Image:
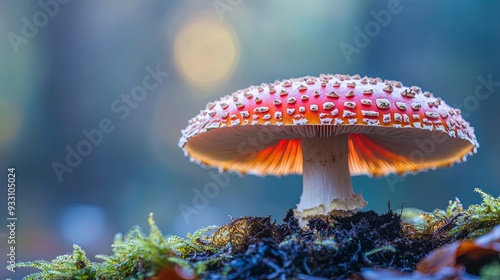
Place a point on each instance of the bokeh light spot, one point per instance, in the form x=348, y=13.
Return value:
x=83, y=224
x=10, y=121
x=206, y=52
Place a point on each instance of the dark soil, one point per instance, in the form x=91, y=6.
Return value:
x=258, y=248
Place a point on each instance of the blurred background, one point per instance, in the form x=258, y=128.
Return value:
x=129, y=74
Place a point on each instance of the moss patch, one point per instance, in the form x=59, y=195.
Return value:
x=259, y=248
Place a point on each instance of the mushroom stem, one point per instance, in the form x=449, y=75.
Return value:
x=327, y=188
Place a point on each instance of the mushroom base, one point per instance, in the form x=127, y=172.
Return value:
x=337, y=207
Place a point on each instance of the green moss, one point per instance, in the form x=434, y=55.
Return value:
x=380, y=249
x=490, y=271
x=135, y=256
x=239, y=244
x=74, y=266
x=480, y=219
x=457, y=223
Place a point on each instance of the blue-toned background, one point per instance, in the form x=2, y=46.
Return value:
x=73, y=66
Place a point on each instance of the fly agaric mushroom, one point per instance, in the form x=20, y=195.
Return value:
x=328, y=128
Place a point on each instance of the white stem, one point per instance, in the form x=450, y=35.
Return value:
x=327, y=185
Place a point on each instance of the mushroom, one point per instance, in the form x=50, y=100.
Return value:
x=328, y=128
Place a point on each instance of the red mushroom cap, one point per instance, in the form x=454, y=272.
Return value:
x=391, y=127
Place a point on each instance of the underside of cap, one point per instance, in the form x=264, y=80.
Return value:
x=276, y=150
